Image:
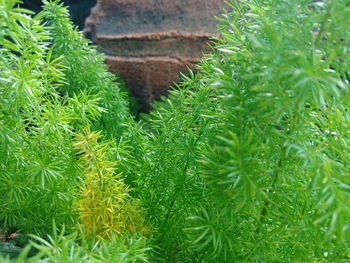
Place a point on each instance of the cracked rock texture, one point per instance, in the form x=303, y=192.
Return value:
x=149, y=42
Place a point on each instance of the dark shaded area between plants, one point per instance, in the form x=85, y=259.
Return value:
x=79, y=10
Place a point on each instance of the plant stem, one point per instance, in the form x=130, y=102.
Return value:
x=323, y=25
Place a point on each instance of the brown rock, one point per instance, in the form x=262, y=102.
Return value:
x=149, y=42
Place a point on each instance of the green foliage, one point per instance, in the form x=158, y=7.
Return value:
x=37, y=172
x=254, y=151
x=76, y=247
x=276, y=171
x=45, y=103
x=168, y=184
x=85, y=70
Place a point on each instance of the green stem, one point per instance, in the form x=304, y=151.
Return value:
x=182, y=182
x=267, y=201
x=323, y=25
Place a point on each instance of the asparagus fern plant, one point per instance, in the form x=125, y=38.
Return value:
x=254, y=152
x=41, y=111
x=105, y=206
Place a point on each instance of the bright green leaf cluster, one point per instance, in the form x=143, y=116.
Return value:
x=41, y=110
x=76, y=248
x=45, y=102
x=85, y=71
x=38, y=173
x=252, y=155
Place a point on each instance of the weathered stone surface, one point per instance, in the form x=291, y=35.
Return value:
x=149, y=42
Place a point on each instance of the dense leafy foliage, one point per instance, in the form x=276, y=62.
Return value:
x=48, y=170
x=105, y=205
x=76, y=247
x=276, y=171
x=254, y=151
x=85, y=71
x=245, y=161
x=38, y=168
